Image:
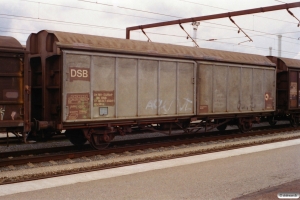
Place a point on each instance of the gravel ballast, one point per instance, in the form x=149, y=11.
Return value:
x=54, y=168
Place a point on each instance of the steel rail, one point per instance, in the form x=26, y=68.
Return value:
x=137, y=146
x=39, y=151
x=128, y=163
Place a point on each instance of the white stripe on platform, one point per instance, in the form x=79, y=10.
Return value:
x=109, y=173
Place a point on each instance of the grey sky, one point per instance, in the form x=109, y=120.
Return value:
x=18, y=18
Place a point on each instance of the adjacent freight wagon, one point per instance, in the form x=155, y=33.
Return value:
x=288, y=89
x=13, y=93
x=95, y=87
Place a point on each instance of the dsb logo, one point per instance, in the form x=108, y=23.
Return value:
x=82, y=74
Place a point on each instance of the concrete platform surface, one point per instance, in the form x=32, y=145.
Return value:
x=223, y=175
x=290, y=188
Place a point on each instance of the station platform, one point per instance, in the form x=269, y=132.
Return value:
x=279, y=191
x=258, y=172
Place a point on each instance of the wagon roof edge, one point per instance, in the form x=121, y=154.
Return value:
x=7, y=42
x=141, y=47
x=290, y=62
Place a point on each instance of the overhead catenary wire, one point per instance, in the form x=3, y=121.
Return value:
x=58, y=21
x=232, y=10
x=220, y=42
x=5, y=29
x=244, y=46
x=127, y=8
x=289, y=52
x=155, y=33
x=173, y=15
x=44, y=20
x=120, y=29
x=88, y=9
x=248, y=29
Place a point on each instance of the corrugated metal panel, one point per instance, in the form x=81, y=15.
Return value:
x=11, y=84
x=157, y=49
x=107, y=87
x=9, y=42
x=289, y=62
x=235, y=89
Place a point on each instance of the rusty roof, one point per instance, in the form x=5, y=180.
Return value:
x=9, y=43
x=156, y=49
x=289, y=62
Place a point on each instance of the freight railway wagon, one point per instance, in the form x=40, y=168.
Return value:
x=288, y=89
x=108, y=85
x=13, y=94
x=96, y=87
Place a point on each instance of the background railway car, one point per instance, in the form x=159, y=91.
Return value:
x=95, y=87
x=288, y=89
x=13, y=94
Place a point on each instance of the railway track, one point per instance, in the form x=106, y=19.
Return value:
x=4, y=141
x=17, y=139
x=12, y=157
x=71, y=152
x=137, y=145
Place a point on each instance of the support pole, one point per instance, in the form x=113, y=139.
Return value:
x=195, y=28
x=279, y=45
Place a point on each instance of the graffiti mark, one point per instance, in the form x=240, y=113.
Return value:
x=219, y=100
x=2, y=112
x=161, y=105
x=13, y=114
x=251, y=106
x=186, y=105
x=164, y=106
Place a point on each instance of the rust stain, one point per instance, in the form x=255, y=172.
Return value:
x=79, y=105
x=268, y=101
x=203, y=109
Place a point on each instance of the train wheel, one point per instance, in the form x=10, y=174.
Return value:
x=99, y=139
x=98, y=144
x=294, y=120
x=244, y=125
x=271, y=121
x=76, y=136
